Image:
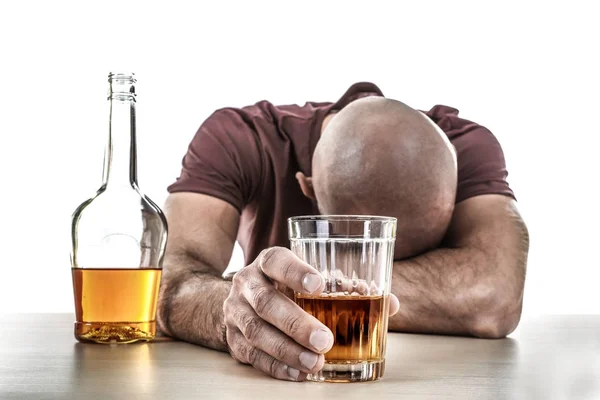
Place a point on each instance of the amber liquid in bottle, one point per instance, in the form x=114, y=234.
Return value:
x=115, y=305
x=357, y=323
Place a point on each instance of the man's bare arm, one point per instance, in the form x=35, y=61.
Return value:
x=202, y=232
x=475, y=285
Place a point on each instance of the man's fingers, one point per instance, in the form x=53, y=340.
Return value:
x=285, y=315
x=283, y=266
x=267, y=338
x=248, y=354
x=269, y=365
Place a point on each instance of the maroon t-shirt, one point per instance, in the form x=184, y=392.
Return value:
x=248, y=157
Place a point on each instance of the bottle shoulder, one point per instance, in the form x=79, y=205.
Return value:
x=118, y=230
x=110, y=205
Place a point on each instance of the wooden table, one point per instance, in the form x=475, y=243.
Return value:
x=548, y=358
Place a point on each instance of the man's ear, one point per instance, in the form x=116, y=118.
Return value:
x=306, y=185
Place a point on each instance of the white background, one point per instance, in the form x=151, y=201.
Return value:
x=528, y=71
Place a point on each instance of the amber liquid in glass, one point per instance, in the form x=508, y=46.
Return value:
x=115, y=305
x=357, y=323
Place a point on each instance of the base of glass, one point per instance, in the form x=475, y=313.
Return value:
x=344, y=372
x=115, y=332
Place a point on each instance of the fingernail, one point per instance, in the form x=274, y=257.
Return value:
x=308, y=359
x=311, y=282
x=320, y=339
x=293, y=373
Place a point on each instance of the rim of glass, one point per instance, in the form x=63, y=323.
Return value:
x=342, y=218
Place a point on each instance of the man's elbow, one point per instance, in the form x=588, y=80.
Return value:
x=497, y=321
x=494, y=327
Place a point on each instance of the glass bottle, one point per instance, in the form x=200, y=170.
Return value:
x=118, y=238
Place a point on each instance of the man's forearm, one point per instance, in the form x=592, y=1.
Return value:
x=191, y=305
x=456, y=291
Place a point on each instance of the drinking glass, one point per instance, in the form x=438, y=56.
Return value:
x=354, y=254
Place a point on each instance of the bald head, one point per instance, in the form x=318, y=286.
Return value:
x=379, y=156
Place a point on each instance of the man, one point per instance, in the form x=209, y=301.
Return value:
x=461, y=245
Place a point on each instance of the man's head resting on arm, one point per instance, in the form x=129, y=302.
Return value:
x=378, y=156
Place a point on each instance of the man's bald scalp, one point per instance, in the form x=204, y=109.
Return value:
x=379, y=156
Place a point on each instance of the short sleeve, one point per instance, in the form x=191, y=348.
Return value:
x=481, y=164
x=223, y=160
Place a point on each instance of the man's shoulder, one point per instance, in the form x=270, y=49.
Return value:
x=271, y=111
x=480, y=158
x=265, y=111
x=447, y=118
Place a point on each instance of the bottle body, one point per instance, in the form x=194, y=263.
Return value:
x=118, y=240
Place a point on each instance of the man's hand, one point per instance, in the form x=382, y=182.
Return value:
x=267, y=329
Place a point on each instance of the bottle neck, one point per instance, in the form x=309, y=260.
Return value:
x=120, y=159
